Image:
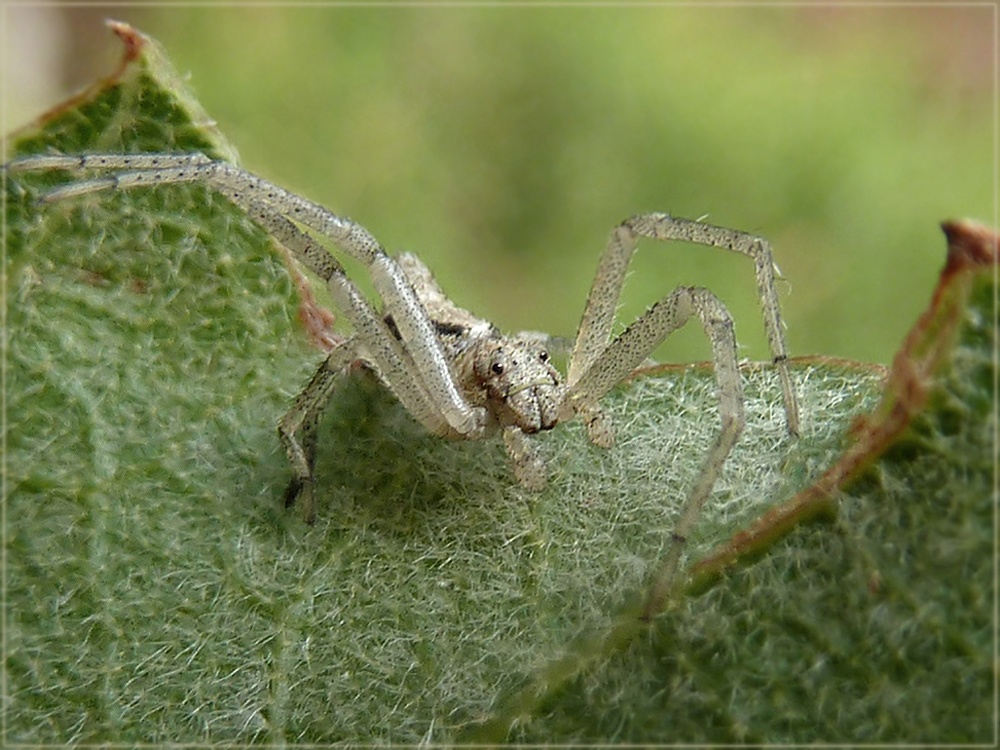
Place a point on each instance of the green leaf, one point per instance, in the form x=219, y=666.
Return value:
x=157, y=591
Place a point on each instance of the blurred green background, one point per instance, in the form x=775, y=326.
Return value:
x=502, y=144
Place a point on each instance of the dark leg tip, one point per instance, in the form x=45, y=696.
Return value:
x=300, y=491
x=292, y=492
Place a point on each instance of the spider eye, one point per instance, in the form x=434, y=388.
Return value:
x=497, y=368
x=543, y=356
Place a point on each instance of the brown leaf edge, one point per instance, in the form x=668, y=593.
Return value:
x=135, y=45
x=973, y=249
x=142, y=58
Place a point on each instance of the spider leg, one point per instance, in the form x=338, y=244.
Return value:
x=625, y=353
x=372, y=340
x=595, y=327
x=424, y=357
x=297, y=428
x=528, y=467
x=597, y=364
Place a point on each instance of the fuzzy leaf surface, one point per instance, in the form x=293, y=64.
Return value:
x=156, y=591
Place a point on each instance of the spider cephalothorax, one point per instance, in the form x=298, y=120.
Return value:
x=514, y=381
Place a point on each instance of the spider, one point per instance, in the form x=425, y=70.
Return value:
x=455, y=373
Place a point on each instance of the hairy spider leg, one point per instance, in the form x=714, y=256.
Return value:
x=381, y=348
x=257, y=196
x=383, y=352
x=594, y=332
x=297, y=428
x=598, y=364
x=626, y=352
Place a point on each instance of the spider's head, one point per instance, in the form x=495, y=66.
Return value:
x=516, y=383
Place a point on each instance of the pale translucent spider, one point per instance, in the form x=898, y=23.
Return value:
x=456, y=373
